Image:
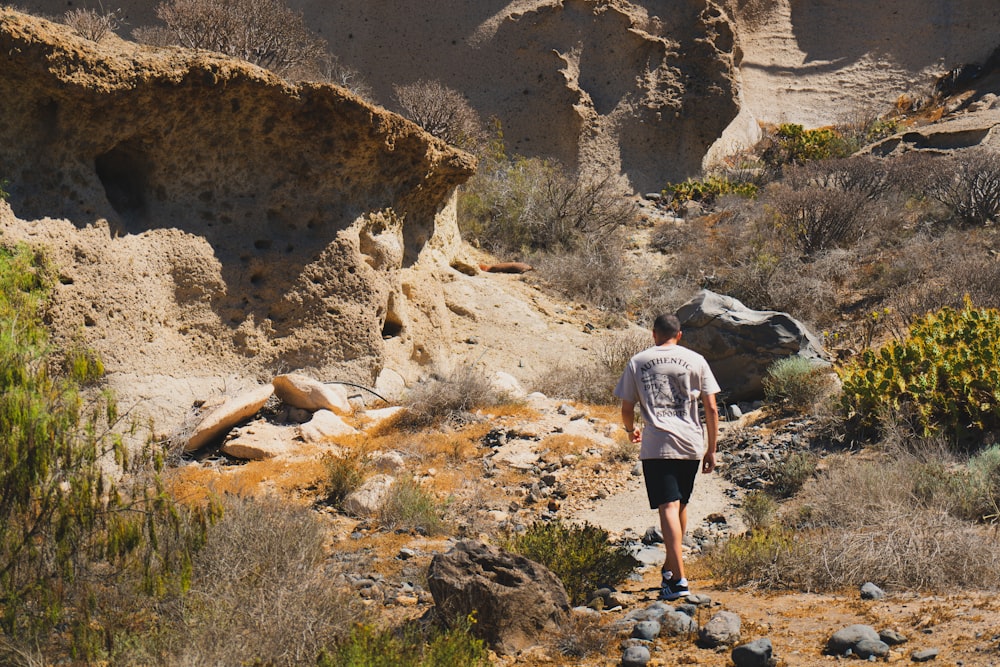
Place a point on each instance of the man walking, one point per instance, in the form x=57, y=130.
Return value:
x=666, y=382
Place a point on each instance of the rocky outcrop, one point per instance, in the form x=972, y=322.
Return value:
x=516, y=600
x=206, y=214
x=740, y=344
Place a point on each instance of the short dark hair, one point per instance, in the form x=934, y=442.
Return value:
x=667, y=325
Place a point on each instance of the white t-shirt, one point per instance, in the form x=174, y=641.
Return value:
x=667, y=382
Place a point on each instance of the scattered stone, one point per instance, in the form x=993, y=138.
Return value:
x=870, y=591
x=868, y=648
x=257, y=441
x=304, y=392
x=507, y=384
x=653, y=535
x=323, y=426
x=891, y=637
x=369, y=497
x=688, y=609
x=233, y=411
x=849, y=637
x=699, y=600
x=754, y=654
x=647, y=630
x=406, y=554
x=390, y=385
x=925, y=655
x=635, y=656
x=677, y=623
x=477, y=578
x=723, y=629
x=733, y=412
x=388, y=462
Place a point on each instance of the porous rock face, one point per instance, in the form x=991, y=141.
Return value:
x=208, y=217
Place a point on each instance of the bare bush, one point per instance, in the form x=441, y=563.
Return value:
x=447, y=399
x=595, y=382
x=442, y=111
x=596, y=273
x=259, y=593
x=819, y=218
x=332, y=70
x=264, y=32
x=864, y=175
x=969, y=185
x=92, y=24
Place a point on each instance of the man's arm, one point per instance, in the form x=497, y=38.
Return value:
x=712, y=424
x=628, y=421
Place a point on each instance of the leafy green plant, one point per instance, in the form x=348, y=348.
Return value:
x=945, y=375
x=409, y=646
x=409, y=506
x=581, y=556
x=756, y=557
x=793, y=144
x=706, y=191
x=62, y=518
x=796, y=382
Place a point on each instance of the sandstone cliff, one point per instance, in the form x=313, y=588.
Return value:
x=210, y=219
x=648, y=86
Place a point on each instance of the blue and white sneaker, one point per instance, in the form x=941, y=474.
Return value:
x=674, y=589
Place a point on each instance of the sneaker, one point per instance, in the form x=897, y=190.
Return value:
x=673, y=590
x=666, y=576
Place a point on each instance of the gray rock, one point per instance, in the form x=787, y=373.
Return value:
x=891, y=637
x=689, y=609
x=723, y=629
x=755, y=654
x=924, y=655
x=635, y=656
x=870, y=591
x=849, y=637
x=733, y=411
x=740, y=344
x=699, y=600
x=653, y=535
x=647, y=630
x=677, y=623
x=867, y=648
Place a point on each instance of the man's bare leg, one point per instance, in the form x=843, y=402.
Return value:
x=673, y=521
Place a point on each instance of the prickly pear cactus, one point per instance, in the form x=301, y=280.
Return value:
x=945, y=375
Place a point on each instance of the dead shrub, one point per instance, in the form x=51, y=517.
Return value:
x=583, y=637
x=264, y=32
x=595, y=273
x=819, y=218
x=92, y=24
x=442, y=111
x=259, y=593
x=595, y=382
x=447, y=400
x=969, y=185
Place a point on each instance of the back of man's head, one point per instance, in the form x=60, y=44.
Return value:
x=667, y=325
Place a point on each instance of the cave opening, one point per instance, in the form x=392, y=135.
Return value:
x=124, y=173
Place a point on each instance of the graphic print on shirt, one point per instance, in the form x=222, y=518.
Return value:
x=668, y=393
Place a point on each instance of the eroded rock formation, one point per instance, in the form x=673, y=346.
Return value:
x=208, y=217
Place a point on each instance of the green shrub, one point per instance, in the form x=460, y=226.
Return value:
x=706, y=191
x=580, y=556
x=796, y=382
x=409, y=506
x=410, y=646
x=945, y=375
x=62, y=519
x=788, y=476
x=758, y=510
x=793, y=144
x=344, y=474
x=754, y=558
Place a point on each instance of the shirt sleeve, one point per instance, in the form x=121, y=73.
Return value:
x=626, y=389
x=709, y=385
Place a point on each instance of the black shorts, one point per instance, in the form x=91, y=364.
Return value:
x=668, y=480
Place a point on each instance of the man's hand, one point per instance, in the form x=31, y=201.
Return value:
x=708, y=462
x=635, y=435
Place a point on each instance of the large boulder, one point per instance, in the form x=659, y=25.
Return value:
x=516, y=600
x=234, y=410
x=740, y=344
